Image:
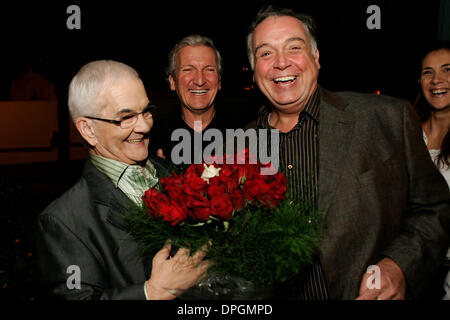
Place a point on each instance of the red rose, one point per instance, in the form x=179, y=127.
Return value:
x=152, y=198
x=237, y=199
x=173, y=185
x=194, y=170
x=221, y=206
x=172, y=213
x=195, y=185
x=226, y=170
x=229, y=180
x=199, y=207
x=276, y=190
x=247, y=171
x=216, y=189
x=255, y=187
x=159, y=205
x=279, y=186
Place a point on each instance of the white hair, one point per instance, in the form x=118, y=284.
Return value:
x=86, y=88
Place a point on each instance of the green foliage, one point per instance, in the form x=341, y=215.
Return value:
x=266, y=247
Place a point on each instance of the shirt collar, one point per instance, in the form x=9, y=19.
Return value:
x=311, y=110
x=117, y=170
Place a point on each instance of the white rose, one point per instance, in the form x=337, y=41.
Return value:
x=209, y=172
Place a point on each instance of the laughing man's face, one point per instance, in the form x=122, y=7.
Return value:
x=196, y=77
x=286, y=71
x=129, y=145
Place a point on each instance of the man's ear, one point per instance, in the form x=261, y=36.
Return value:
x=172, y=83
x=316, y=58
x=86, y=129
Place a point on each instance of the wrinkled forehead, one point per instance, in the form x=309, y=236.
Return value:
x=124, y=94
x=198, y=54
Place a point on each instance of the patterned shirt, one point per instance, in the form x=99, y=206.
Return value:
x=133, y=180
x=299, y=162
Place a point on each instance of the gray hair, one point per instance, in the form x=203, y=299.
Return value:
x=86, y=88
x=271, y=11
x=192, y=40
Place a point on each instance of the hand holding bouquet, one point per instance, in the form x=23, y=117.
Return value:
x=254, y=233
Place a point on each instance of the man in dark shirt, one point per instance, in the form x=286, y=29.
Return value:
x=194, y=72
x=386, y=208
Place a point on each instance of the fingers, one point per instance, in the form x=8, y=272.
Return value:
x=369, y=294
x=163, y=253
x=200, y=254
x=183, y=261
x=160, y=153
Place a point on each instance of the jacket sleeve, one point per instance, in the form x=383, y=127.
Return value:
x=424, y=238
x=68, y=269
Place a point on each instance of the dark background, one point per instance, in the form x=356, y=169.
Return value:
x=140, y=34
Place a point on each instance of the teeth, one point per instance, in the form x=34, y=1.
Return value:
x=285, y=79
x=198, y=91
x=134, y=140
x=439, y=91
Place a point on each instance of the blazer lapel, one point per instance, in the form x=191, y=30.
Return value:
x=119, y=204
x=336, y=131
x=105, y=194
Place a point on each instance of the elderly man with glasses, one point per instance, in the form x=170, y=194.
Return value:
x=84, y=249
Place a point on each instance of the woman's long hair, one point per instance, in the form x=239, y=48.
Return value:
x=423, y=109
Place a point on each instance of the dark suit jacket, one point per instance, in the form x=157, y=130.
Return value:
x=380, y=192
x=85, y=228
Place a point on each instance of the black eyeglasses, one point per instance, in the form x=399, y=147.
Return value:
x=127, y=120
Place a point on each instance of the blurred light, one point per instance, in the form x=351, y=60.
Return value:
x=378, y=92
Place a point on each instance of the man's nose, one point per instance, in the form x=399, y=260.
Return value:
x=142, y=125
x=281, y=61
x=199, y=79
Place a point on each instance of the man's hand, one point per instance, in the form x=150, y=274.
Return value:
x=176, y=274
x=393, y=283
x=160, y=153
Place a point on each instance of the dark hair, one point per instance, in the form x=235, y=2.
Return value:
x=423, y=108
x=273, y=11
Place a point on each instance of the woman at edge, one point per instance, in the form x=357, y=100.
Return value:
x=433, y=107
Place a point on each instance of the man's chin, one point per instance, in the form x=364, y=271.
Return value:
x=139, y=158
x=198, y=109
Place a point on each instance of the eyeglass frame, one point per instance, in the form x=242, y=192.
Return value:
x=149, y=107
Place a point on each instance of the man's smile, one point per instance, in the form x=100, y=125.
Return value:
x=285, y=79
x=198, y=92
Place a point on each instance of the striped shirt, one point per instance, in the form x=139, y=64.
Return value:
x=299, y=162
x=133, y=180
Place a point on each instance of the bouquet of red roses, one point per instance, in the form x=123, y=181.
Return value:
x=255, y=233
